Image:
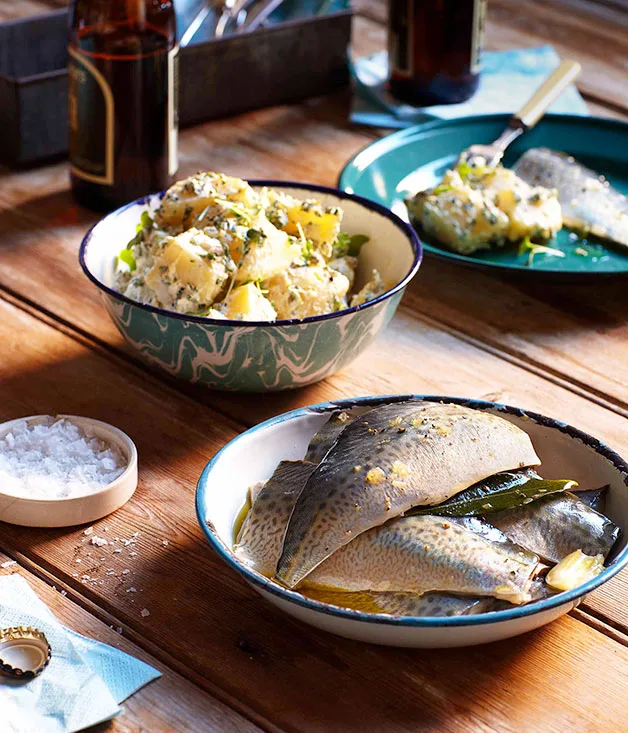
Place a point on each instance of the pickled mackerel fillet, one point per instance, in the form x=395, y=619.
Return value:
x=589, y=203
x=426, y=553
x=393, y=458
x=556, y=526
x=323, y=440
x=260, y=539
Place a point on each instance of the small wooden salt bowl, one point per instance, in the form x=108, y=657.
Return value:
x=77, y=509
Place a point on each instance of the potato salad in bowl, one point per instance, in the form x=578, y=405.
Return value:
x=216, y=247
x=250, y=286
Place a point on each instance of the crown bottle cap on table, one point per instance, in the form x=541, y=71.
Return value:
x=24, y=652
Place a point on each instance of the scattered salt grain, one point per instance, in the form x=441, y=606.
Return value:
x=131, y=590
x=89, y=530
x=144, y=613
x=99, y=541
x=56, y=459
x=8, y=564
x=125, y=572
x=165, y=543
x=117, y=549
x=132, y=554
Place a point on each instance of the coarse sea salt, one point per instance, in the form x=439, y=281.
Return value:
x=56, y=460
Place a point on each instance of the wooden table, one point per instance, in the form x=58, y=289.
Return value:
x=231, y=662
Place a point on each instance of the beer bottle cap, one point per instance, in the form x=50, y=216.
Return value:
x=24, y=652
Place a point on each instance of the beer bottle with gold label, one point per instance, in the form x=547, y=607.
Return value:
x=434, y=50
x=122, y=100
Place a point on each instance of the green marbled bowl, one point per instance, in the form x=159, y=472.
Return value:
x=247, y=356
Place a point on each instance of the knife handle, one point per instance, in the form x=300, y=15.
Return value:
x=548, y=92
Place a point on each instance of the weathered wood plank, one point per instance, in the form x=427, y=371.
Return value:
x=169, y=703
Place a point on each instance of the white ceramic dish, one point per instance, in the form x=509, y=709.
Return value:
x=565, y=452
x=82, y=508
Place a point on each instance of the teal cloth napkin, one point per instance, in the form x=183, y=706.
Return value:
x=508, y=79
x=84, y=684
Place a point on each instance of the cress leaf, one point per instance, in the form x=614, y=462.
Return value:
x=128, y=259
x=146, y=220
x=356, y=242
x=496, y=493
x=341, y=245
x=527, y=246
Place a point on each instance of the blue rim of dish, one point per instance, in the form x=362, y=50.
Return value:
x=389, y=142
x=225, y=552
x=409, y=232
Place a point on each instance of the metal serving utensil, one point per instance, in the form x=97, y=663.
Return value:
x=232, y=16
x=241, y=15
x=525, y=118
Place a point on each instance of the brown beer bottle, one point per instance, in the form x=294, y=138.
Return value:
x=122, y=100
x=434, y=50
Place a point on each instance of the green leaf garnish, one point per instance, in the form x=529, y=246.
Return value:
x=128, y=259
x=348, y=244
x=146, y=220
x=533, y=249
x=356, y=242
x=441, y=188
x=496, y=493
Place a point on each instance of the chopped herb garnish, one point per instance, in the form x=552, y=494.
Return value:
x=441, y=188
x=255, y=236
x=464, y=170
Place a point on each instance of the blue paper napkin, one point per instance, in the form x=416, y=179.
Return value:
x=508, y=79
x=84, y=683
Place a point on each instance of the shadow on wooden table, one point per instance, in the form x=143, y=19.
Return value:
x=462, y=295
x=51, y=211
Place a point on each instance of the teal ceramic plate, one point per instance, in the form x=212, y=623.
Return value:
x=413, y=159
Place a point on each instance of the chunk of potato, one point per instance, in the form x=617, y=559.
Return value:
x=460, y=217
x=197, y=199
x=318, y=223
x=300, y=292
x=374, y=287
x=347, y=266
x=267, y=250
x=533, y=211
x=192, y=261
x=247, y=303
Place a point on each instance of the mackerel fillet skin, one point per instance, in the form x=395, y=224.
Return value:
x=426, y=553
x=260, y=539
x=556, y=526
x=390, y=459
